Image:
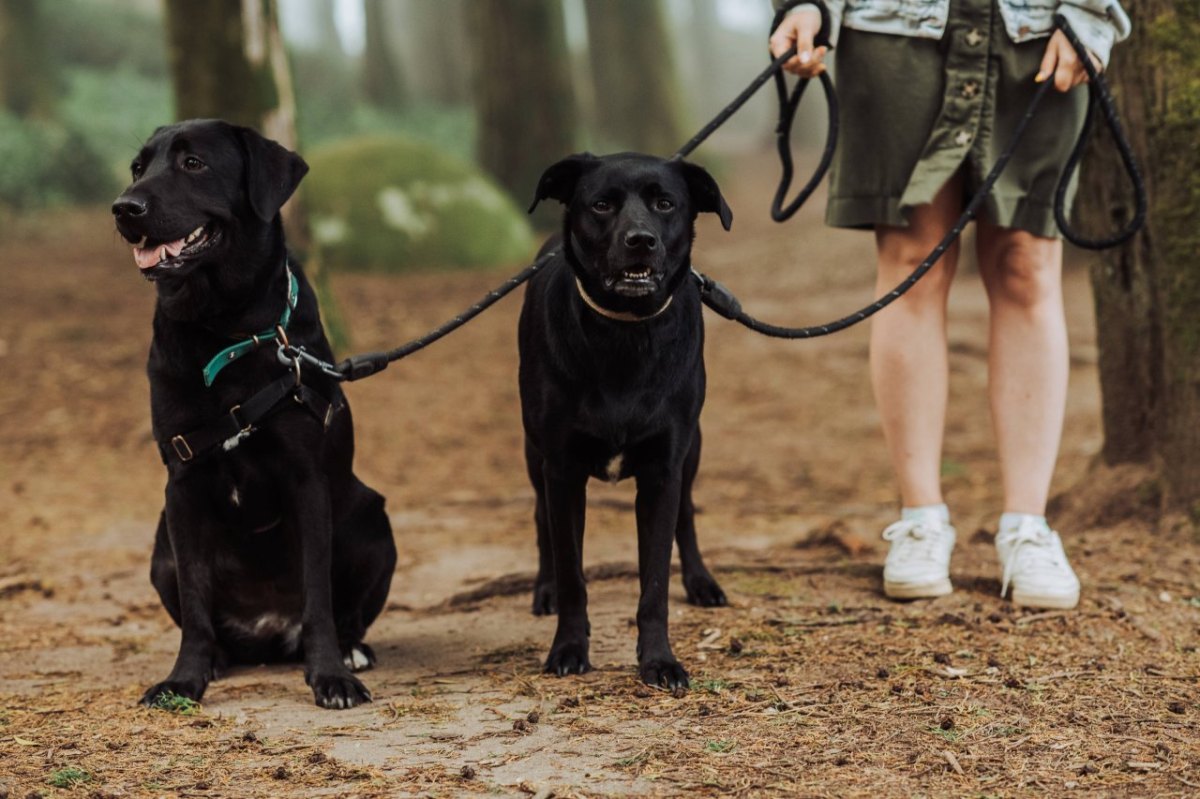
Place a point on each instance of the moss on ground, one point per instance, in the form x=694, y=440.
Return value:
x=387, y=203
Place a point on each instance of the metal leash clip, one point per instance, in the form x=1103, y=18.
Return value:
x=290, y=355
x=287, y=354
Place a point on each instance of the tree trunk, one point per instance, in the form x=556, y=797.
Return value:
x=1148, y=292
x=634, y=77
x=27, y=76
x=523, y=96
x=383, y=83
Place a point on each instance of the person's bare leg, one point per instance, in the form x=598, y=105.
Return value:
x=909, y=367
x=1027, y=359
x=909, y=371
x=1028, y=364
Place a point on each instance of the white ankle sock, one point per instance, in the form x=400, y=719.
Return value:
x=1011, y=521
x=915, y=514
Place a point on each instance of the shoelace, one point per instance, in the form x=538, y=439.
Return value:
x=1035, y=544
x=914, y=538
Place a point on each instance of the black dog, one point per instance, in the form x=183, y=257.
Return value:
x=269, y=548
x=612, y=383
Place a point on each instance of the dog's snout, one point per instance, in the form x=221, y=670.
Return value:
x=127, y=207
x=641, y=239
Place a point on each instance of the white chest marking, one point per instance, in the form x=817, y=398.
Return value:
x=614, y=467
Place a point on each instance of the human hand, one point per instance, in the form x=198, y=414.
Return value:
x=800, y=28
x=1062, y=63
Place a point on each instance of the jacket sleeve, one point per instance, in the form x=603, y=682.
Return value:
x=835, y=9
x=1098, y=23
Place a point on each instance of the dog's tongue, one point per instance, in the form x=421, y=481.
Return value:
x=147, y=257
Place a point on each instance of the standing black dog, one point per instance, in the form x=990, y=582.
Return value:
x=612, y=383
x=269, y=548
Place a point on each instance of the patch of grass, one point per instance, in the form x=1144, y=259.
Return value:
x=711, y=686
x=69, y=777
x=953, y=468
x=720, y=746
x=951, y=735
x=174, y=703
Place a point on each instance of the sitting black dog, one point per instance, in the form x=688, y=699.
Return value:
x=612, y=382
x=269, y=548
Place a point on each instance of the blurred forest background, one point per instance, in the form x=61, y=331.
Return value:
x=426, y=122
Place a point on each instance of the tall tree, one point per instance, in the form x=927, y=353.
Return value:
x=383, y=83
x=635, y=81
x=1148, y=292
x=27, y=77
x=523, y=95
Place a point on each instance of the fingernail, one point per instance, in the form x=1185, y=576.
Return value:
x=805, y=57
x=1041, y=76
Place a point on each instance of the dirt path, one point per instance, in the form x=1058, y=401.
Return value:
x=811, y=684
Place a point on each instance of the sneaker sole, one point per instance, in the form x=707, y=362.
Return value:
x=917, y=590
x=1050, y=601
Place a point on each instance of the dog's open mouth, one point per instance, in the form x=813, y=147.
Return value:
x=634, y=281
x=151, y=257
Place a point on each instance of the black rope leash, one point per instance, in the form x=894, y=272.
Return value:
x=723, y=302
x=719, y=298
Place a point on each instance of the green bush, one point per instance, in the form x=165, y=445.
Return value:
x=45, y=163
x=389, y=203
x=106, y=35
x=115, y=110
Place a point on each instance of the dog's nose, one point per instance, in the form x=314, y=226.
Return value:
x=643, y=239
x=129, y=207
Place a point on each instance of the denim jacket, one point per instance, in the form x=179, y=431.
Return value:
x=1098, y=23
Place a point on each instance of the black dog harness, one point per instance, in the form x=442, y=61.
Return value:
x=244, y=418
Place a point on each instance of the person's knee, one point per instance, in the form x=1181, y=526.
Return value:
x=1024, y=270
x=900, y=255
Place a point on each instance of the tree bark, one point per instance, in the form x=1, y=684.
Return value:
x=1148, y=292
x=635, y=82
x=524, y=100
x=383, y=83
x=27, y=77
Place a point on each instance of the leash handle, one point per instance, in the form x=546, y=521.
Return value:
x=1098, y=95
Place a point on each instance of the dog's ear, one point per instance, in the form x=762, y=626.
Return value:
x=706, y=195
x=272, y=172
x=559, y=180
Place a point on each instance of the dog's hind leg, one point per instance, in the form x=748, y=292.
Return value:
x=545, y=601
x=364, y=561
x=701, y=587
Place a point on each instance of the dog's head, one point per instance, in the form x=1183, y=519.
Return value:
x=630, y=221
x=205, y=197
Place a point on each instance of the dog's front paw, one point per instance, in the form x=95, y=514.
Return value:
x=664, y=673
x=338, y=691
x=568, y=658
x=174, y=695
x=704, y=591
x=359, y=657
x=545, y=598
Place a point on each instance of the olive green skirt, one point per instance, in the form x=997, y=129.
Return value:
x=915, y=111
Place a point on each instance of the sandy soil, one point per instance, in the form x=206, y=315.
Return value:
x=812, y=683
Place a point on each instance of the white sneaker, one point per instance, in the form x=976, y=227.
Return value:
x=918, y=564
x=1036, y=567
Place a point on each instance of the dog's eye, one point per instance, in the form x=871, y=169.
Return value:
x=664, y=205
x=602, y=206
x=136, y=169
x=193, y=164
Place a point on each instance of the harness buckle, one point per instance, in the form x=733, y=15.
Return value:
x=182, y=448
x=242, y=426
